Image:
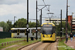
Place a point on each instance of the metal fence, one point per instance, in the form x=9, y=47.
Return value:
x=5, y=34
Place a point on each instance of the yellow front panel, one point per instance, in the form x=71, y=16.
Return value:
x=12, y=35
x=47, y=37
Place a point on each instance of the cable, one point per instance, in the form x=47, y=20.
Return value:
x=46, y=7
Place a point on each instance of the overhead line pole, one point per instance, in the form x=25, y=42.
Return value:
x=67, y=17
x=27, y=17
x=41, y=18
x=61, y=23
x=71, y=24
x=36, y=19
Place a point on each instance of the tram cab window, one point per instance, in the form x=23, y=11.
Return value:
x=47, y=29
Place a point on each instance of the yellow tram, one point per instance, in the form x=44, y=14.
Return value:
x=48, y=32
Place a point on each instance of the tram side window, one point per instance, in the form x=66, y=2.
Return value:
x=14, y=31
x=22, y=31
x=53, y=29
x=33, y=31
x=39, y=30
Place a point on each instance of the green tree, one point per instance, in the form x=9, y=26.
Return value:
x=63, y=26
x=58, y=28
x=32, y=24
x=23, y=22
x=5, y=26
x=9, y=24
x=38, y=23
x=20, y=23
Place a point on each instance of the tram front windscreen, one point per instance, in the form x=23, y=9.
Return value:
x=47, y=29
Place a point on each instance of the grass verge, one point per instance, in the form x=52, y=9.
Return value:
x=19, y=44
x=10, y=39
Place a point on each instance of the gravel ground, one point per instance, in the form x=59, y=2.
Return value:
x=30, y=46
x=42, y=46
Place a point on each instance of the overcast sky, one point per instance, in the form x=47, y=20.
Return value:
x=18, y=8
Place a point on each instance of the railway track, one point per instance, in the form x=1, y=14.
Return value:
x=34, y=47
x=51, y=46
x=41, y=46
x=46, y=48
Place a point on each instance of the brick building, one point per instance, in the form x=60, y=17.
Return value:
x=73, y=21
x=69, y=19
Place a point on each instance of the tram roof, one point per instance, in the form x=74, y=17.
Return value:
x=48, y=23
x=24, y=28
